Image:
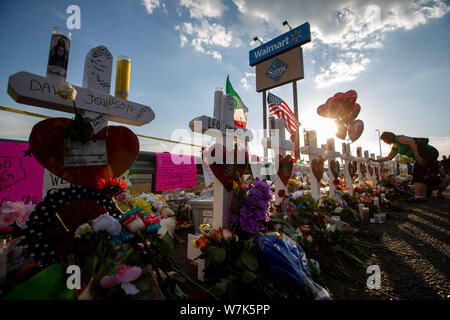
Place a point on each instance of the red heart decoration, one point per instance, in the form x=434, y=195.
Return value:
x=352, y=169
x=370, y=170
x=317, y=168
x=328, y=109
x=226, y=173
x=285, y=168
x=47, y=146
x=334, y=168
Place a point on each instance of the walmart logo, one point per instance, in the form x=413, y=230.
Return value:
x=276, y=70
x=296, y=36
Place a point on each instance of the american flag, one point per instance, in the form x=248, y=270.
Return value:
x=279, y=108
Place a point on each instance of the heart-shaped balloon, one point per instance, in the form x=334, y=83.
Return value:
x=370, y=169
x=349, y=118
x=344, y=103
x=341, y=129
x=47, y=145
x=226, y=173
x=334, y=168
x=328, y=109
x=285, y=168
x=317, y=168
x=362, y=168
x=352, y=169
x=355, y=130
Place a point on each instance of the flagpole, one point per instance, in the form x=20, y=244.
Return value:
x=297, y=142
x=265, y=123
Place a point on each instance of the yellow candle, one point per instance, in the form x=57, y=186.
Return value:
x=123, y=77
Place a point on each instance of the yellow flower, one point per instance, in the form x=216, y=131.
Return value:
x=141, y=203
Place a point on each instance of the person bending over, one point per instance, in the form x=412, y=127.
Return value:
x=418, y=149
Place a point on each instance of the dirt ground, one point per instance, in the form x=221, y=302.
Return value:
x=413, y=254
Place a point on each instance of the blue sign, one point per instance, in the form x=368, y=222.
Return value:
x=276, y=70
x=288, y=40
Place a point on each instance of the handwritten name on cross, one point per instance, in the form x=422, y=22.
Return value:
x=222, y=127
x=93, y=97
x=277, y=141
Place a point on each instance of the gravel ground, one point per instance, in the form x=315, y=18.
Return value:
x=413, y=255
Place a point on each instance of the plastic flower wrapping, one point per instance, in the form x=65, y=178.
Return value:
x=288, y=261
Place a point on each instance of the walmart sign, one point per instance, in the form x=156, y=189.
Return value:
x=290, y=39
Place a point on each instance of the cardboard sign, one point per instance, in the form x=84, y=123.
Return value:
x=52, y=181
x=170, y=175
x=20, y=175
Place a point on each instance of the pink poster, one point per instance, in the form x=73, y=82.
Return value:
x=20, y=174
x=175, y=172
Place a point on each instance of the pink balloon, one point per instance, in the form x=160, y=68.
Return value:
x=341, y=129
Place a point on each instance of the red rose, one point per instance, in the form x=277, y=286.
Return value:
x=281, y=193
x=319, y=219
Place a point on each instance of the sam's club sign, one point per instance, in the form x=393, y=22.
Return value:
x=290, y=39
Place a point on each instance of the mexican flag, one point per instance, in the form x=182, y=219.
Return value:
x=240, y=110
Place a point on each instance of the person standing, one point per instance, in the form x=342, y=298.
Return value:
x=418, y=149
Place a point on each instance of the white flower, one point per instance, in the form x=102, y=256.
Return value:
x=167, y=226
x=67, y=91
x=331, y=227
x=105, y=222
x=338, y=209
x=227, y=233
x=82, y=230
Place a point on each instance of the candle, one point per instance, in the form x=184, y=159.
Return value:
x=123, y=77
x=58, y=57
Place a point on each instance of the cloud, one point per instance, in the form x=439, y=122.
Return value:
x=245, y=81
x=442, y=144
x=199, y=9
x=205, y=37
x=150, y=5
x=16, y=127
x=337, y=27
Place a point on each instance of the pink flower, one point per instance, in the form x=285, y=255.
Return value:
x=17, y=212
x=23, y=215
x=124, y=276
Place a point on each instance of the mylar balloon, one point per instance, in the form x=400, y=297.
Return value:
x=349, y=118
x=341, y=129
x=344, y=103
x=355, y=130
x=328, y=109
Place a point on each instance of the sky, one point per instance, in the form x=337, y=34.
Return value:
x=393, y=53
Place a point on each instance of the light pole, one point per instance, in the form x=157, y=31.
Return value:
x=379, y=140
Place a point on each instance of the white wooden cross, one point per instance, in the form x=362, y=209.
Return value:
x=313, y=152
x=331, y=155
x=373, y=165
x=277, y=141
x=93, y=98
x=359, y=160
x=347, y=157
x=367, y=162
x=223, y=128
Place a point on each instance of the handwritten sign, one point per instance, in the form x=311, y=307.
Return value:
x=20, y=175
x=170, y=176
x=52, y=181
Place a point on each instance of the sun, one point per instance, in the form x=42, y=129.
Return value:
x=325, y=129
